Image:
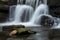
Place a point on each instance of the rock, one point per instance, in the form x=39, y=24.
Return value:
x=12, y=2
x=46, y=21
x=54, y=6
x=53, y=2
x=4, y=9
x=4, y=5
x=12, y=27
x=3, y=17
x=55, y=12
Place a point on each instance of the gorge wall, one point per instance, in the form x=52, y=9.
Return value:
x=54, y=6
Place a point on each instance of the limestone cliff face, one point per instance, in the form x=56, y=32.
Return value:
x=54, y=6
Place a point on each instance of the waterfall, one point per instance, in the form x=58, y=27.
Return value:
x=18, y=1
x=42, y=9
x=33, y=14
x=26, y=15
x=22, y=11
x=11, y=12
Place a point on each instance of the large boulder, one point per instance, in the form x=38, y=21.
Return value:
x=46, y=21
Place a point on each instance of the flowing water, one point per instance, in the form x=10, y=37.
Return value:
x=29, y=15
x=23, y=13
x=26, y=15
x=41, y=9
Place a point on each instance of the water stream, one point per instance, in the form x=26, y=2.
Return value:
x=30, y=15
x=25, y=15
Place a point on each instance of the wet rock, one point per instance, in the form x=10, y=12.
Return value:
x=6, y=30
x=12, y=2
x=55, y=12
x=47, y=21
x=12, y=27
x=54, y=6
x=4, y=9
x=3, y=17
x=4, y=5
x=53, y=2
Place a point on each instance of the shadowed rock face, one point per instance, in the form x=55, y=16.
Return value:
x=3, y=17
x=42, y=33
x=12, y=2
x=46, y=21
x=4, y=9
x=53, y=2
x=54, y=6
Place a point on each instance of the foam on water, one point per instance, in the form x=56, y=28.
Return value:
x=24, y=9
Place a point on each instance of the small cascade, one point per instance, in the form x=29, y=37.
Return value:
x=26, y=15
x=42, y=9
x=23, y=13
x=33, y=14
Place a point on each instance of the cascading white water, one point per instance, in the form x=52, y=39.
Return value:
x=42, y=9
x=23, y=11
x=23, y=14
